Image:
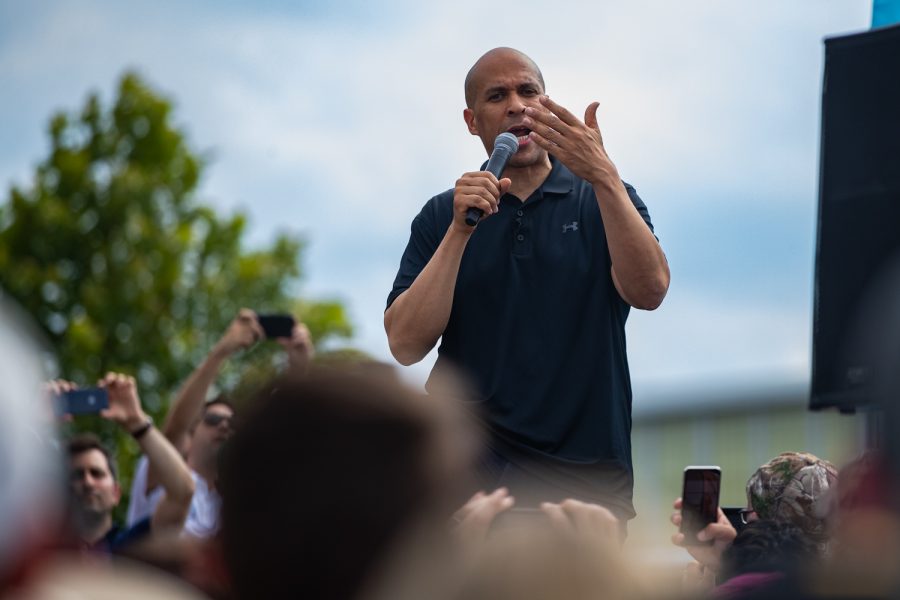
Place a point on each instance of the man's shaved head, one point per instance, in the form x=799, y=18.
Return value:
x=472, y=75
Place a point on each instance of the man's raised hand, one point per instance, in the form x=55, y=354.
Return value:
x=720, y=533
x=574, y=517
x=124, y=403
x=243, y=331
x=299, y=348
x=578, y=145
x=473, y=520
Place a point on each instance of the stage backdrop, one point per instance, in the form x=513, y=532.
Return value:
x=858, y=238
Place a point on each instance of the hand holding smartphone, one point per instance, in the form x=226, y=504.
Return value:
x=699, y=501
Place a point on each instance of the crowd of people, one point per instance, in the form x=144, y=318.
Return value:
x=340, y=481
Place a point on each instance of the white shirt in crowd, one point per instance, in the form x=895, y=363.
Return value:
x=203, y=518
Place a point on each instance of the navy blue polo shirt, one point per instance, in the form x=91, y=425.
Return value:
x=537, y=323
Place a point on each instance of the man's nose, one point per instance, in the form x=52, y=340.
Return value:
x=516, y=105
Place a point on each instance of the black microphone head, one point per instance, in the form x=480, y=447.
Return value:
x=507, y=141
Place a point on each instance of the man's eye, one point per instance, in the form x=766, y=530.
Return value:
x=495, y=97
x=529, y=92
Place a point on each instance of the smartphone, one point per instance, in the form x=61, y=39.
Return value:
x=84, y=401
x=276, y=326
x=518, y=517
x=699, y=501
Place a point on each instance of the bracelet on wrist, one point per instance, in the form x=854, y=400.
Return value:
x=142, y=430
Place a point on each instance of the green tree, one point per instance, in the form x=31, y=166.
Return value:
x=124, y=268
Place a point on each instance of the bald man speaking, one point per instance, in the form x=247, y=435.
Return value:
x=530, y=304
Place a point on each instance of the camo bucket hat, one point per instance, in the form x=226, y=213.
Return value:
x=793, y=487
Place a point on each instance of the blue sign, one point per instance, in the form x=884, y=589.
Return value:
x=885, y=12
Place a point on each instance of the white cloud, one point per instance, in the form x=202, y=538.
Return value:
x=700, y=336
x=342, y=131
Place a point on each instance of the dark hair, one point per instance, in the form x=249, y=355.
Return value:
x=220, y=399
x=82, y=442
x=769, y=546
x=325, y=473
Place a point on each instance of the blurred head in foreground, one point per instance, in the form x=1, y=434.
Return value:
x=865, y=548
x=331, y=476
x=32, y=493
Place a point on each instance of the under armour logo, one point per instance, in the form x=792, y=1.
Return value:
x=573, y=226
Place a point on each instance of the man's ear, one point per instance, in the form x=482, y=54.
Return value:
x=118, y=493
x=469, y=118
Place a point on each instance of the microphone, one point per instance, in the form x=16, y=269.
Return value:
x=505, y=146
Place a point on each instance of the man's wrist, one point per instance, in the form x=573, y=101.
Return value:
x=220, y=352
x=132, y=423
x=607, y=179
x=463, y=232
x=140, y=430
x=611, y=191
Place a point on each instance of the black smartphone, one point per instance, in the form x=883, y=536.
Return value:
x=518, y=517
x=276, y=326
x=699, y=501
x=84, y=401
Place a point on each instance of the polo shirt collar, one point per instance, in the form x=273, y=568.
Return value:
x=560, y=180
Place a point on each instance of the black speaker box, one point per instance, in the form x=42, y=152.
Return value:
x=858, y=237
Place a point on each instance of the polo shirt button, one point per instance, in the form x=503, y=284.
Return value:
x=520, y=237
x=520, y=212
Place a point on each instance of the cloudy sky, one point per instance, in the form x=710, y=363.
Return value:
x=339, y=120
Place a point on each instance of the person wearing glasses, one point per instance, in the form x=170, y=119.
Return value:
x=199, y=428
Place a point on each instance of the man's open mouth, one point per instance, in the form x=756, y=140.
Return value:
x=521, y=133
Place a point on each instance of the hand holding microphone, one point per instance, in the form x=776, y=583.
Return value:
x=505, y=146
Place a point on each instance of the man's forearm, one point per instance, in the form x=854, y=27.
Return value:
x=418, y=317
x=191, y=397
x=172, y=472
x=187, y=407
x=640, y=270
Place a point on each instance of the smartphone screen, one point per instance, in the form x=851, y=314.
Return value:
x=699, y=501
x=276, y=326
x=85, y=401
